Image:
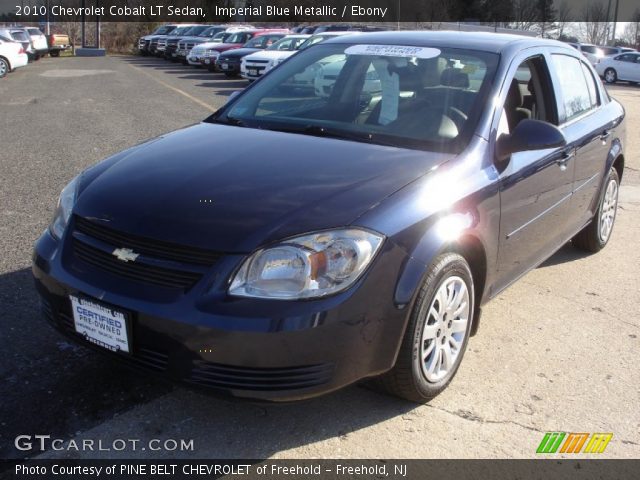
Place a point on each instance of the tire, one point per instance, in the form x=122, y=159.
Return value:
x=595, y=236
x=230, y=74
x=54, y=53
x=4, y=67
x=610, y=75
x=410, y=378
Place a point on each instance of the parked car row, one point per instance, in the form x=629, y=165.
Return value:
x=238, y=49
x=595, y=53
x=20, y=45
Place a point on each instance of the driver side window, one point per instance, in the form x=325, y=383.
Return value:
x=527, y=97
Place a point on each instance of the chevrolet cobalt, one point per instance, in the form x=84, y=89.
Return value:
x=297, y=240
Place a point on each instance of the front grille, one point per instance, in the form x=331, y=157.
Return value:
x=146, y=246
x=264, y=379
x=258, y=62
x=137, y=270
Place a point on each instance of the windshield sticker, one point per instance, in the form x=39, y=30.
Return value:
x=393, y=51
x=390, y=92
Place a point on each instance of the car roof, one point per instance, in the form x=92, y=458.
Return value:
x=485, y=41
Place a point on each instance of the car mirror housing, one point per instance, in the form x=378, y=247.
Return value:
x=529, y=135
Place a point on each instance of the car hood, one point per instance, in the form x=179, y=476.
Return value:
x=270, y=54
x=221, y=47
x=193, y=39
x=228, y=189
x=239, y=52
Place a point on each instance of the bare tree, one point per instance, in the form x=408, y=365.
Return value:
x=595, y=26
x=564, y=14
x=524, y=14
x=631, y=35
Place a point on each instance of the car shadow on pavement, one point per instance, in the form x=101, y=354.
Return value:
x=568, y=253
x=49, y=385
x=82, y=390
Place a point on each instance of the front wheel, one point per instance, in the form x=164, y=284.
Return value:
x=437, y=334
x=4, y=67
x=54, y=53
x=596, y=235
x=610, y=75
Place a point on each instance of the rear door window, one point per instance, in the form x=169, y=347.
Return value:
x=576, y=98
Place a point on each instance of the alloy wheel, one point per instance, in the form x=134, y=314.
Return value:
x=610, y=76
x=445, y=329
x=608, y=210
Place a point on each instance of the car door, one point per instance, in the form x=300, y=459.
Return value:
x=635, y=69
x=620, y=64
x=584, y=124
x=535, y=186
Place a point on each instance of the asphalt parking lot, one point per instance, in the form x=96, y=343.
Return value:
x=558, y=351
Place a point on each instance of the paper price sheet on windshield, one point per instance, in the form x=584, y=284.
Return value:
x=393, y=51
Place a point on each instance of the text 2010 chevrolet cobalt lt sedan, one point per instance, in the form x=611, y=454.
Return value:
x=298, y=241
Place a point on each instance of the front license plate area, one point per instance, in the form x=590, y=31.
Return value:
x=225, y=66
x=101, y=324
x=253, y=71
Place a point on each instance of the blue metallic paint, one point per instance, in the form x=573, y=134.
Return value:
x=263, y=190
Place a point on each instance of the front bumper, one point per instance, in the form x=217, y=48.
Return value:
x=258, y=349
x=228, y=65
x=194, y=59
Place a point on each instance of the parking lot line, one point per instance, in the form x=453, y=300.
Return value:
x=177, y=90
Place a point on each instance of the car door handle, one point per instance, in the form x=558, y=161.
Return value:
x=606, y=134
x=564, y=159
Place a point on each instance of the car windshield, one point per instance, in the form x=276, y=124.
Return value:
x=287, y=44
x=211, y=31
x=220, y=37
x=262, y=41
x=182, y=31
x=195, y=31
x=34, y=31
x=312, y=41
x=238, y=37
x=19, y=35
x=163, y=30
x=406, y=96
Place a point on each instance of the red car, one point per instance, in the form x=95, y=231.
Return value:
x=236, y=40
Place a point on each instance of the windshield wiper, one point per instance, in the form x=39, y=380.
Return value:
x=320, y=131
x=228, y=120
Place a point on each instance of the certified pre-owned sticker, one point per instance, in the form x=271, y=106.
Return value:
x=393, y=51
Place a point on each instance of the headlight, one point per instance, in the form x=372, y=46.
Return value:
x=63, y=211
x=306, y=267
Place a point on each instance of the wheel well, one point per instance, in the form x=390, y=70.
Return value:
x=618, y=164
x=472, y=250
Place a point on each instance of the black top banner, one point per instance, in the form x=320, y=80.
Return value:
x=497, y=12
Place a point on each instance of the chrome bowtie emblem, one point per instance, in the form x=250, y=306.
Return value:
x=125, y=254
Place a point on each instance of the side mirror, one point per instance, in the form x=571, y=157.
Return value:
x=529, y=135
x=233, y=95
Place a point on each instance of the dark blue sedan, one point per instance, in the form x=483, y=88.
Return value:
x=302, y=239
